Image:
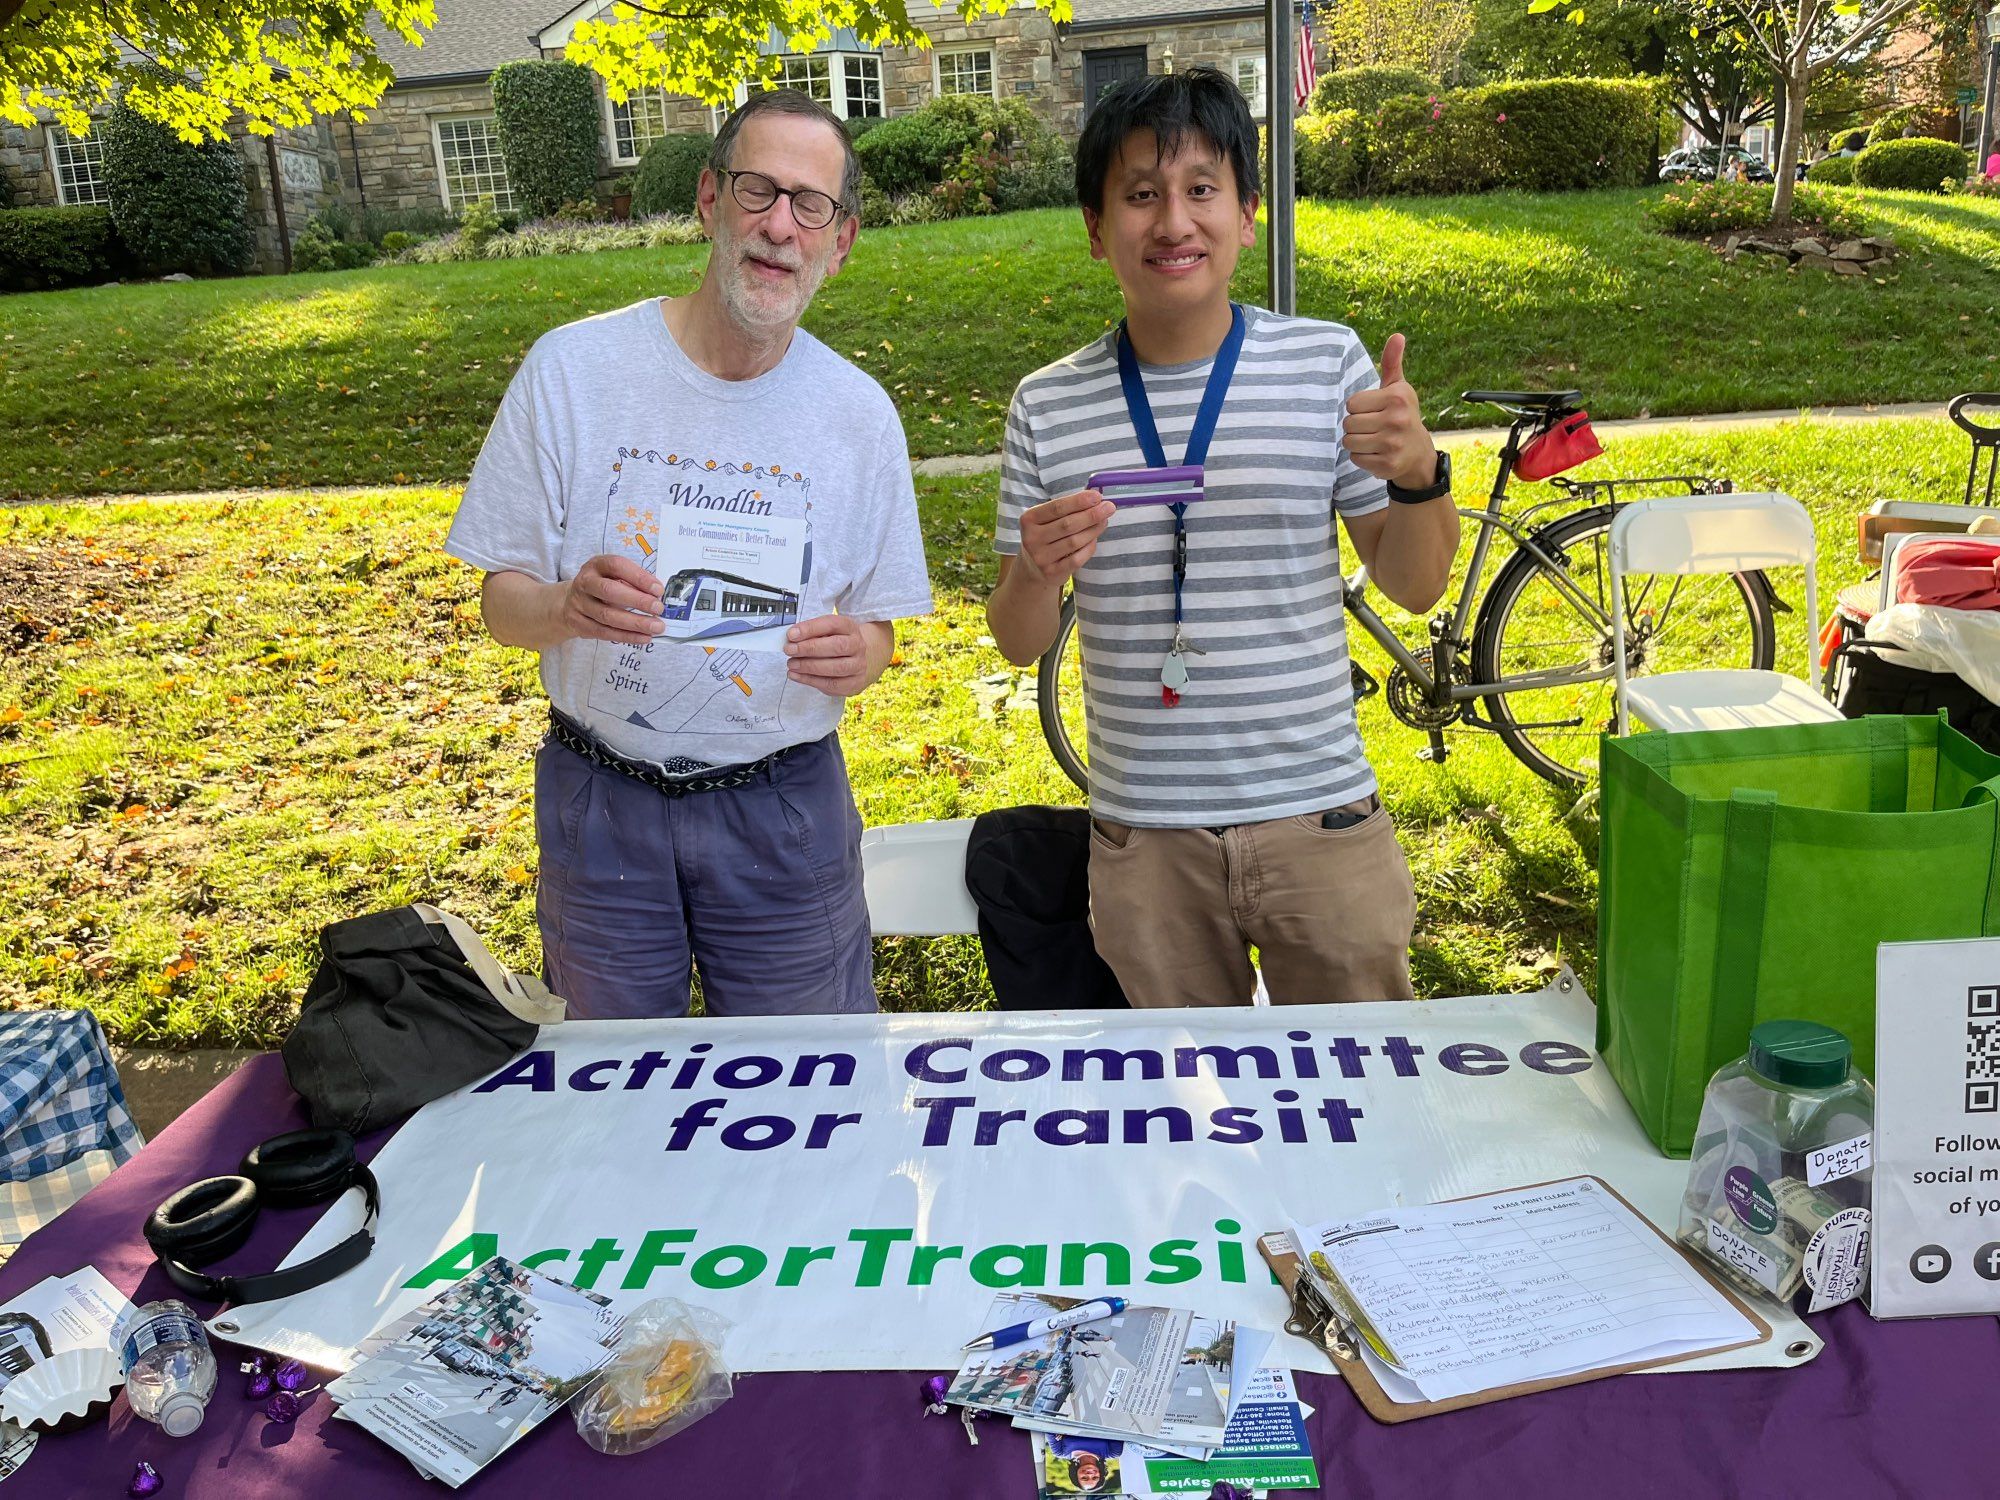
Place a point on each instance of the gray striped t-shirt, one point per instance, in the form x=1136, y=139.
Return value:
x=1265, y=727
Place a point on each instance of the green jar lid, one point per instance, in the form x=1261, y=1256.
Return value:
x=1803, y=1054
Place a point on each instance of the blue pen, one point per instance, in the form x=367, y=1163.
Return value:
x=1020, y=1333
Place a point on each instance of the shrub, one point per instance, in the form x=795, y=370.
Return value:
x=548, y=122
x=479, y=223
x=1365, y=90
x=1834, y=171
x=1713, y=207
x=1044, y=177
x=317, y=248
x=860, y=125
x=396, y=241
x=1982, y=186
x=669, y=174
x=915, y=152
x=1331, y=152
x=375, y=224
x=45, y=248
x=551, y=237
x=1545, y=136
x=1919, y=164
x=176, y=207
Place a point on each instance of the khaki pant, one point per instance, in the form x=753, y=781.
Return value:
x=1176, y=910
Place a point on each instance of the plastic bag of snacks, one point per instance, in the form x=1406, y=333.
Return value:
x=668, y=1373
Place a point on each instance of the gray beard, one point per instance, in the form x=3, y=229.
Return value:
x=759, y=316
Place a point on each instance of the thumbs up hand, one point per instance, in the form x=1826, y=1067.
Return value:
x=1384, y=431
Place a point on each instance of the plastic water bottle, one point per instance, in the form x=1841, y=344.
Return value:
x=169, y=1368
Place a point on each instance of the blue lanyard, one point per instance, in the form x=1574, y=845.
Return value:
x=1141, y=411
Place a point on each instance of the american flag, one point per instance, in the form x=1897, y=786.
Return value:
x=1303, y=76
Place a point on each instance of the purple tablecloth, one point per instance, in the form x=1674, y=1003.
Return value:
x=1887, y=1409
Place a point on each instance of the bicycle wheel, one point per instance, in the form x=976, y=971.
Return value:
x=1527, y=625
x=1059, y=697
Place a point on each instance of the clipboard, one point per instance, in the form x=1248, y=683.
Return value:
x=1315, y=1318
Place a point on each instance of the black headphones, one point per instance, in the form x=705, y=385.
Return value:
x=210, y=1219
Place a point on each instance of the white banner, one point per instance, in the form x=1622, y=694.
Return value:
x=851, y=1190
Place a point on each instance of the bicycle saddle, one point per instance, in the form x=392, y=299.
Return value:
x=1535, y=400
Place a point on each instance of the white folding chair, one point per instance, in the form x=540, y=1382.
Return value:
x=914, y=877
x=1689, y=534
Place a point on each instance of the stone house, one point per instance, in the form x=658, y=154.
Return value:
x=432, y=141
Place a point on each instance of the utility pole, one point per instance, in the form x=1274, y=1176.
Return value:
x=1989, y=135
x=1280, y=208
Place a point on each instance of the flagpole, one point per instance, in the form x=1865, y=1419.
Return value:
x=1281, y=29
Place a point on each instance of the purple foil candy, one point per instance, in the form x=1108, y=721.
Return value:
x=293, y=1376
x=258, y=1366
x=145, y=1481
x=283, y=1407
x=257, y=1387
x=1224, y=1490
x=934, y=1389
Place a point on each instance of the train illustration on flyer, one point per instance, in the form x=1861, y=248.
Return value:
x=731, y=544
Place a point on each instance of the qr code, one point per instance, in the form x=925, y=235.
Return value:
x=1982, y=1049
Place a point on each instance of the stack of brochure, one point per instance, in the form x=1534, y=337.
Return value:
x=1149, y=1400
x=454, y=1383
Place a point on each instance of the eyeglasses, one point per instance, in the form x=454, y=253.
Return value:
x=756, y=192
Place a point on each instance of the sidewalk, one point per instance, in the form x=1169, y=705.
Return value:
x=987, y=463
x=1465, y=437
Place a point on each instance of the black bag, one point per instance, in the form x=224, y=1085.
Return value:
x=1869, y=680
x=406, y=1006
x=1028, y=869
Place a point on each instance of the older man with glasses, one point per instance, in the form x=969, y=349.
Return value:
x=702, y=519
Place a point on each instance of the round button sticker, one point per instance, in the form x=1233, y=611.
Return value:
x=1836, y=1259
x=1750, y=1197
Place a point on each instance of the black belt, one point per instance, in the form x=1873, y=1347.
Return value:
x=573, y=737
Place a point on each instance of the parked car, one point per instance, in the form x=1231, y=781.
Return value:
x=1699, y=164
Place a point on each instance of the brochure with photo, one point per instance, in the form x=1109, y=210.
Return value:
x=729, y=580
x=454, y=1382
x=1116, y=1376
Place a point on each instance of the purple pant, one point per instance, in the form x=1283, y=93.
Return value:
x=758, y=886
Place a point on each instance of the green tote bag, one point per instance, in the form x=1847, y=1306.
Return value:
x=1747, y=875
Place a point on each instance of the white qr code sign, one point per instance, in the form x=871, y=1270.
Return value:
x=1936, y=1143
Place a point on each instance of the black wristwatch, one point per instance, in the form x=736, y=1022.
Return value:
x=1439, y=486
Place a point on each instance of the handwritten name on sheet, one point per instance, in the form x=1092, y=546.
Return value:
x=1524, y=1285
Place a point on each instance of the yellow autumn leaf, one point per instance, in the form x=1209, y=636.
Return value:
x=11, y=714
x=519, y=874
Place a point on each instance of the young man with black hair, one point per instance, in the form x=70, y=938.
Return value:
x=1232, y=804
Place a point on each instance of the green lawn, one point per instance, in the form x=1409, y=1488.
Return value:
x=223, y=725
x=391, y=375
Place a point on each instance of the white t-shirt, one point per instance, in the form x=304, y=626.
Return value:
x=608, y=433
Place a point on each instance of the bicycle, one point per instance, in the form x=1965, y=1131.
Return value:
x=1535, y=663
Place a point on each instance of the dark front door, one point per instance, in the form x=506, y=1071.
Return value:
x=1112, y=65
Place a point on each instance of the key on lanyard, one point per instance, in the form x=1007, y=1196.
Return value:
x=1173, y=671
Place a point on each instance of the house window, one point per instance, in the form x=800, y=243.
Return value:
x=809, y=75
x=79, y=164
x=1249, y=75
x=637, y=123
x=968, y=72
x=864, y=85
x=470, y=163
x=858, y=74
